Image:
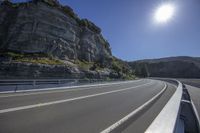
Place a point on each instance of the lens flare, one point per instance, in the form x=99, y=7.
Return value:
x=164, y=13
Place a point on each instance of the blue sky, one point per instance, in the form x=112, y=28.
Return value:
x=129, y=27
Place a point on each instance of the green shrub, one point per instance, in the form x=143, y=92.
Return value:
x=84, y=64
x=36, y=58
x=40, y=61
x=12, y=54
x=67, y=10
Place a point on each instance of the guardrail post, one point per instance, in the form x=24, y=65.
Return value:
x=16, y=88
x=34, y=82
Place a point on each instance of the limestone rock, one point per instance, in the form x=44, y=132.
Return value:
x=36, y=27
x=44, y=27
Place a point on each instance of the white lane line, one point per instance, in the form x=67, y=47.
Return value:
x=194, y=107
x=67, y=100
x=196, y=113
x=66, y=89
x=123, y=120
x=165, y=121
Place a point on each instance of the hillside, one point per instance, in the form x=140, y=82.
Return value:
x=44, y=39
x=176, y=67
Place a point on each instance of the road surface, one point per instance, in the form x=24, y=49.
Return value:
x=193, y=87
x=84, y=109
x=192, y=82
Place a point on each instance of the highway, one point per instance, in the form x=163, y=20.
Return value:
x=193, y=86
x=193, y=82
x=91, y=109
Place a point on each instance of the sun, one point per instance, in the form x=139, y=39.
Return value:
x=164, y=13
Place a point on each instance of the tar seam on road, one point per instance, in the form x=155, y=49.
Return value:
x=61, y=90
x=66, y=100
x=126, y=118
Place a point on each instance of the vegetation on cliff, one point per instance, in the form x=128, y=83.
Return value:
x=35, y=58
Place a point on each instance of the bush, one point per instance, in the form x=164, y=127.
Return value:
x=84, y=64
x=90, y=25
x=36, y=58
x=69, y=11
x=40, y=61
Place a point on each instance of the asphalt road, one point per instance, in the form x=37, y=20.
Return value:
x=193, y=87
x=192, y=82
x=82, y=110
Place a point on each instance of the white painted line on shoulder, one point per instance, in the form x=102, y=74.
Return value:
x=196, y=114
x=67, y=100
x=61, y=89
x=166, y=120
x=123, y=120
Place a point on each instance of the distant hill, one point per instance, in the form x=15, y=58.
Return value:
x=176, y=67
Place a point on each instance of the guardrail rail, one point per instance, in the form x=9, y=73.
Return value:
x=28, y=84
x=178, y=115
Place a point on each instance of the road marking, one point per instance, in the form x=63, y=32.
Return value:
x=67, y=100
x=63, y=89
x=196, y=114
x=165, y=121
x=123, y=120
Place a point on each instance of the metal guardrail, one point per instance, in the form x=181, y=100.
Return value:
x=50, y=81
x=178, y=115
x=15, y=85
x=166, y=121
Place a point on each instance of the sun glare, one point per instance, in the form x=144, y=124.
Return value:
x=164, y=13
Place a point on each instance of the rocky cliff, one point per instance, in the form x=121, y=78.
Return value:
x=41, y=27
x=176, y=67
x=42, y=38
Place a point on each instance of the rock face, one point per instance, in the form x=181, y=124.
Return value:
x=44, y=26
x=43, y=39
x=176, y=67
x=30, y=71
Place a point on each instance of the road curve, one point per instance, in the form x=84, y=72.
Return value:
x=82, y=110
x=193, y=87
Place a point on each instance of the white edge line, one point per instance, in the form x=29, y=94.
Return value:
x=194, y=108
x=65, y=100
x=59, y=89
x=196, y=113
x=123, y=120
x=166, y=120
